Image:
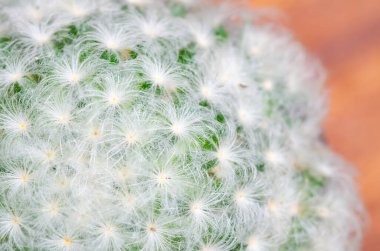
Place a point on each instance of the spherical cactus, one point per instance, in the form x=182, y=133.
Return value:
x=164, y=125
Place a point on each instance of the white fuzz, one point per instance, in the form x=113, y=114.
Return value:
x=14, y=122
x=162, y=71
x=12, y=227
x=114, y=92
x=167, y=182
x=107, y=236
x=201, y=32
x=16, y=180
x=185, y=123
x=203, y=212
x=70, y=71
x=155, y=233
x=273, y=157
x=112, y=37
x=248, y=111
x=49, y=213
x=130, y=132
x=162, y=125
x=139, y=2
x=58, y=112
x=36, y=36
x=152, y=26
x=229, y=152
x=78, y=9
x=259, y=240
x=34, y=11
x=15, y=70
x=246, y=200
x=62, y=242
x=217, y=242
x=210, y=90
x=18, y=124
x=40, y=35
x=229, y=71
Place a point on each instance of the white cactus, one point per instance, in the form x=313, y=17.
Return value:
x=163, y=125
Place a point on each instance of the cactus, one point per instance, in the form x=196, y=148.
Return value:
x=164, y=125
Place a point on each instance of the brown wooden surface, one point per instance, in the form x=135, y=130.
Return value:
x=345, y=35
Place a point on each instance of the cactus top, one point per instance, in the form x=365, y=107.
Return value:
x=163, y=125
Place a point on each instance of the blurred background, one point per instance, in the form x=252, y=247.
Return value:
x=345, y=36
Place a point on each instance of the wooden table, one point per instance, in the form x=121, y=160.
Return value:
x=345, y=35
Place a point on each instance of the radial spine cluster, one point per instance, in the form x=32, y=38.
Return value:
x=164, y=125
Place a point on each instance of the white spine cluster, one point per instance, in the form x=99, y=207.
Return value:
x=163, y=125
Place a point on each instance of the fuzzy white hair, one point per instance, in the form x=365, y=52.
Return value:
x=164, y=125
